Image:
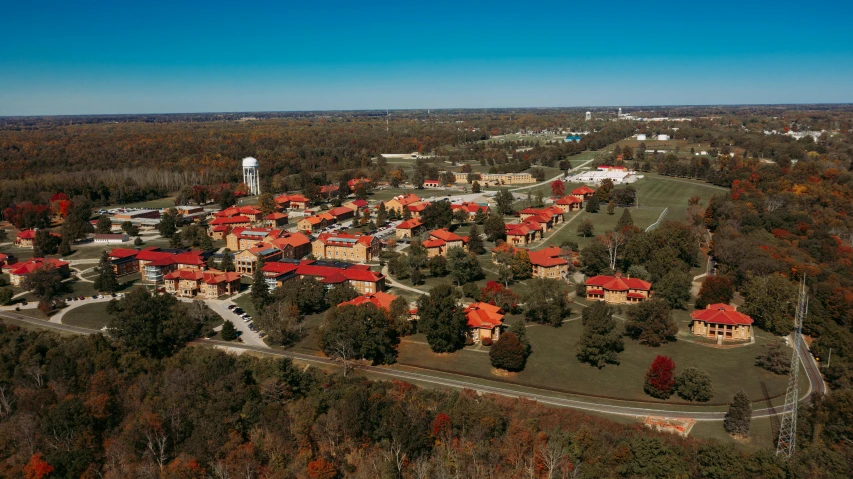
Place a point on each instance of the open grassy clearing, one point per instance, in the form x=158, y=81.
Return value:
x=158, y=203
x=92, y=316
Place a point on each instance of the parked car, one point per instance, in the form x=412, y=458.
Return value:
x=232, y=306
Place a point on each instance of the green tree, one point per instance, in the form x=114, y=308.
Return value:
x=639, y=272
x=547, y=302
x=674, y=288
x=651, y=323
x=508, y=353
x=475, y=242
x=6, y=295
x=106, y=280
x=168, y=225
x=381, y=214
x=417, y=277
x=775, y=358
x=715, y=289
x=521, y=266
x=738, y=416
x=600, y=343
x=694, y=385
x=154, y=325
x=307, y=294
x=437, y=215
x=625, y=219
x=437, y=266
x=592, y=205
x=45, y=243
x=442, y=319
x=340, y=293
x=417, y=254
x=494, y=227
x=229, y=333
x=460, y=216
x=770, y=301
x=260, y=289
x=45, y=283
x=480, y=217
x=64, y=248
x=611, y=207
x=227, y=261
x=359, y=332
x=475, y=187
x=463, y=266
x=585, y=228
x=282, y=322
x=266, y=203
x=104, y=225
x=595, y=259
x=504, y=200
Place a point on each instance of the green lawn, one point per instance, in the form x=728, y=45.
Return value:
x=158, y=203
x=92, y=316
x=553, y=365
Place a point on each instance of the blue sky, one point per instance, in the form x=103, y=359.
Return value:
x=157, y=57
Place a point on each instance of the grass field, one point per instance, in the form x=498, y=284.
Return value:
x=158, y=203
x=92, y=316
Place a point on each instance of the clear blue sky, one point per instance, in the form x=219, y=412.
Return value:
x=147, y=57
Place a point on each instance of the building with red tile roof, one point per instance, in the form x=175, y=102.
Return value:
x=293, y=245
x=346, y=247
x=330, y=273
x=26, y=238
x=721, y=322
x=417, y=209
x=341, y=213
x=518, y=234
x=409, y=228
x=570, y=203
x=550, y=262
x=19, y=271
x=245, y=261
x=484, y=320
x=583, y=192
x=471, y=208
x=6, y=260
x=618, y=290
x=356, y=204
x=207, y=284
x=155, y=263
x=124, y=261
x=397, y=203
x=276, y=219
x=241, y=238
x=328, y=190
x=219, y=227
x=353, y=183
x=441, y=240
x=432, y=184
x=379, y=299
x=309, y=224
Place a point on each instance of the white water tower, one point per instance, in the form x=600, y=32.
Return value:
x=588, y=115
x=250, y=175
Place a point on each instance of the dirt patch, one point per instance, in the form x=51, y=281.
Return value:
x=503, y=373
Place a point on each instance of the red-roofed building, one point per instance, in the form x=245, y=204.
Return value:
x=470, y=208
x=155, y=263
x=397, y=203
x=244, y=238
x=6, y=260
x=721, y=321
x=583, y=192
x=331, y=274
x=570, y=203
x=522, y=234
x=245, y=261
x=294, y=202
x=219, y=227
x=546, y=218
x=124, y=261
x=441, y=240
x=550, y=262
x=341, y=213
x=618, y=290
x=409, y=228
x=19, y=271
x=353, y=183
x=26, y=238
x=209, y=284
x=341, y=246
x=293, y=245
x=417, y=209
x=379, y=299
x=328, y=190
x=275, y=220
x=484, y=320
x=309, y=224
x=356, y=204
x=251, y=212
x=432, y=184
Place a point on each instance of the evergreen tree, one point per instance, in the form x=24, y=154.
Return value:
x=659, y=382
x=106, y=280
x=694, y=385
x=64, y=245
x=104, y=225
x=168, y=223
x=508, y=353
x=475, y=187
x=504, y=200
x=442, y=319
x=611, y=207
x=480, y=217
x=494, y=227
x=416, y=277
x=600, y=343
x=738, y=416
x=592, y=205
x=651, y=323
x=260, y=290
x=625, y=219
x=407, y=213
x=475, y=242
x=229, y=333
x=381, y=215
x=227, y=261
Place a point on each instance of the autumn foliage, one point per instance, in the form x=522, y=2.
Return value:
x=37, y=468
x=660, y=380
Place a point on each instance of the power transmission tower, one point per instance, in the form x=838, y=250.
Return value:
x=788, y=427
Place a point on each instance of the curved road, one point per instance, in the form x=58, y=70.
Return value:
x=816, y=383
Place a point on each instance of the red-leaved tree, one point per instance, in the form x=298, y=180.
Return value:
x=322, y=469
x=499, y=295
x=715, y=289
x=37, y=468
x=558, y=188
x=660, y=381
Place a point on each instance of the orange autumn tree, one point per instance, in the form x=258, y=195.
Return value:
x=37, y=467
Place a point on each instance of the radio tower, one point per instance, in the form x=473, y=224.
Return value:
x=788, y=428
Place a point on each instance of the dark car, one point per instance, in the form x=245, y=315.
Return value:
x=232, y=306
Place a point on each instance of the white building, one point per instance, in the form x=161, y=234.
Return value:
x=250, y=175
x=619, y=176
x=111, y=238
x=588, y=115
x=663, y=137
x=641, y=137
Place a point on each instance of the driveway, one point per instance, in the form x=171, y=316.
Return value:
x=220, y=307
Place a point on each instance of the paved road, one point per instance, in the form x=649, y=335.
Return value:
x=396, y=284
x=44, y=324
x=547, y=182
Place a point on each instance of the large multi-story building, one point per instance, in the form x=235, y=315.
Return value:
x=19, y=271
x=346, y=247
x=155, y=263
x=441, y=240
x=550, y=263
x=497, y=179
x=721, y=322
x=245, y=261
x=471, y=208
x=618, y=290
x=209, y=284
x=397, y=203
x=244, y=238
x=409, y=228
x=330, y=273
